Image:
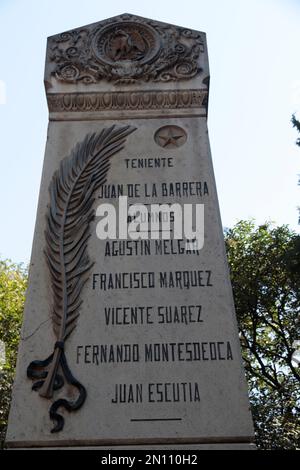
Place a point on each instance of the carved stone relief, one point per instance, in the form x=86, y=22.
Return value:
x=170, y=137
x=126, y=49
x=135, y=100
x=67, y=232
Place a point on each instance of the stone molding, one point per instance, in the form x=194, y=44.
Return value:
x=130, y=100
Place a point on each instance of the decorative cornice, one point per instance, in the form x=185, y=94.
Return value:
x=127, y=100
x=126, y=49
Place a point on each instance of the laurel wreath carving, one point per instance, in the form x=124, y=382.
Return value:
x=70, y=213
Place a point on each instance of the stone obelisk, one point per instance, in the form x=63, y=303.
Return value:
x=128, y=342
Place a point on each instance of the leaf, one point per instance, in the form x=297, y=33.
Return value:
x=79, y=177
x=67, y=232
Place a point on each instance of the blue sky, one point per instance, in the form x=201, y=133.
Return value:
x=255, y=87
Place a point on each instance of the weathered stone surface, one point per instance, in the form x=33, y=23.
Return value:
x=155, y=345
x=126, y=50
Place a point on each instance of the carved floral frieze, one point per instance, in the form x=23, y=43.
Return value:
x=119, y=101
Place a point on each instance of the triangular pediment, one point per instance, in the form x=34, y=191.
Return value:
x=125, y=49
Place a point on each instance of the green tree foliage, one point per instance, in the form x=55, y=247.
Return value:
x=13, y=284
x=265, y=273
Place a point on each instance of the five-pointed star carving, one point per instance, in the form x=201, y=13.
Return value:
x=170, y=137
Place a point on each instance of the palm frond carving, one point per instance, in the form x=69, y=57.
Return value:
x=67, y=232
